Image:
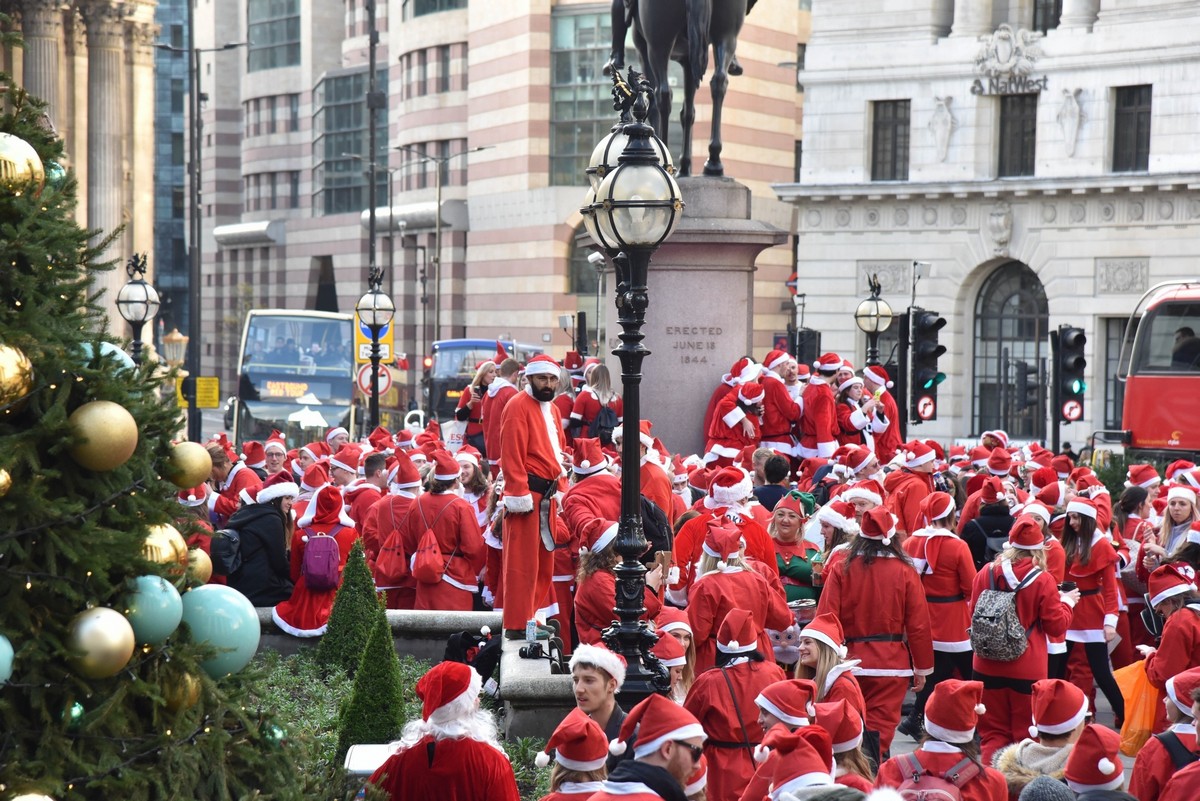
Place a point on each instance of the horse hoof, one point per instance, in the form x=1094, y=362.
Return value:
x=716, y=170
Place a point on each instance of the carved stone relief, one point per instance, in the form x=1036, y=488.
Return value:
x=893, y=276
x=999, y=228
x=1122, y=276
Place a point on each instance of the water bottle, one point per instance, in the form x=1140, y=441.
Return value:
x=531, y=631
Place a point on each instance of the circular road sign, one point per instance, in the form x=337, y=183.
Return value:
x=926, y=407
x=364, y=379
x=792, y=283
x=1072, y=410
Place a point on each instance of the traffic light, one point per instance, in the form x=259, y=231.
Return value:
x=1027, y=390
x=1071, y=369
x=926, y=351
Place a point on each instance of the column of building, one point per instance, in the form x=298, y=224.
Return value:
x=972, y=18
x=1078, y=14
x=41, y=30
x=141, y=36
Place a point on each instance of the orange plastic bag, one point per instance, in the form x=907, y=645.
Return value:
x=1141, y=704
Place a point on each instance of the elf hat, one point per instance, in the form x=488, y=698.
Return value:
x=445, y=683
x=953, y=710
x=844, y=724
x=279, y=485
x=1026, y=534
x=879, y=524
x=1095, y=760
x=597, y=656
x=791, y=700
x=578, y=744
x=655, y=720
x=1170, y=580
x=1180, y=688
x=827, y=628
x=669, y=651
x=1058, y=707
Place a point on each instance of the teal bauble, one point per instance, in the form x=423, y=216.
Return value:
x=56, y=175
x=6, y=659
x=107, y=350
x=154, y=609
x=74, y=715
x=224, y=619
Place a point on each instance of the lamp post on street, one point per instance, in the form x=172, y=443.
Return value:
x=137, y=302
x=873, y=316
x=375, y=311
x=629, y=212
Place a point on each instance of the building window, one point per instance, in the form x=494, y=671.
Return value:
x=1018, y=134
x=177, y=95
x=177, y=149
x=889, y=140
x=444, y=68
x=293, y=113
x=582, y=276
x=799, y=160
x=294, y=189
x=339, y=181
x=419, y=8
x=422, y=72
x=1131, y=129
x=270, y=104
x=273, y=179
x=273, y=34
x=1046, y=14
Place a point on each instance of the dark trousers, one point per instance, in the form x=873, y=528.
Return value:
x=1097, y=656
x=945, y=663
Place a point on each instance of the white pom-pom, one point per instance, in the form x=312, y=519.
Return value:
x=617, y=747
x=1033, y=732
x=721, y=565
x=887, y=540
x=909, y=456
x=192, y=496
x=890, y=384
x=304, y=538
x=761, y=754
x=811, y=709
x=486, y=631
x=542, y=759
x=1106, y=766
x=980, y=709
x=733, y=645
x=585, y=464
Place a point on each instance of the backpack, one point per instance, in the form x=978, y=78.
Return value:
x=918, y=785
x=226, y=551
x=996, y=630
x=603, y=424
x=321, y=565
x=1180, y=756
x=656, y=528
x=428, y=564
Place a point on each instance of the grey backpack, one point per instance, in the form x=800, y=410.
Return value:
x=996, y=630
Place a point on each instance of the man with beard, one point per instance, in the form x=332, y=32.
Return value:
x=669, y=744
x=453, y=752
x=531, y=446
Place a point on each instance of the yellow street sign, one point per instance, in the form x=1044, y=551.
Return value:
x=362, y=342
x=208, y=392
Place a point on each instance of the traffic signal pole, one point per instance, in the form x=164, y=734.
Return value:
x=1055, y=394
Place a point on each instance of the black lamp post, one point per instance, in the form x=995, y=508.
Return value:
x=375, y=310
x=137, y=302
x=873, y=316
x=631, y=209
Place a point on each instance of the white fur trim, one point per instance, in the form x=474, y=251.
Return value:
x=884, y=794
x=849, y=745
x=470, y=458
x=860, y=493
x=1065, y=726
x=678, y=625
x=518, y=504
x=916, y=461
x=274, y=491
x=783, y=791
x=1112, y=784
x=733, y=417
x=446, y=476
x=1185, y=493
x=1171, y=592
x=820, y=636
x=686, y=732
x=735, y=647
x=583, y=766
x=952, y=736
x=606, y=538
x=540, y=367
x=1085, y=509
x=1185, y=709
x=726, y=496
x=602, y=658
x=768, y=705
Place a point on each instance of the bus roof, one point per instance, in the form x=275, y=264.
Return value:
x=300, y=312
x=470, y=343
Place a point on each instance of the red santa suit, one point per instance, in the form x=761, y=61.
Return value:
x=656, y=485
x=1097, y=583
x=587, y=406
x=876, y=632
x=818, y=425
x=361, y=495
x=947, y=572
x=1184, y=785
x=1154, y=766
x=716, y=699
x=714, y=594
x=780, y=413
x=1179, y=650
x=385, y=552
x=456, y=769
x=474, y=416
x=905, y=491
x=689, y=544
x=937, y=758
x=226, y=500
x=726, y=434
x=564, y=403
x=306, y=612
x=456, y=528
x=499, y=393
x=531, y=445
x=574, y=791
x=595, y=598
x=596, y=496
x=887, y=436
x=840, y=684
x=853, y=425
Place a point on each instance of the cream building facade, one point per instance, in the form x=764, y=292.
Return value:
x=1039, y=156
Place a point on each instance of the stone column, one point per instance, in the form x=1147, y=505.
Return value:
x=1078, y=14
x=42, y=31
x=140, y=186
x=972, y=18
x=105, y=23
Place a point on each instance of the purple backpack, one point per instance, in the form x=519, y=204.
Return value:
x=322, y=560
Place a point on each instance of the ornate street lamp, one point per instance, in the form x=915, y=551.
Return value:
x=873, y=316
x=630, y=210
x=375, y=311
x=137, y=301
x=174, y=346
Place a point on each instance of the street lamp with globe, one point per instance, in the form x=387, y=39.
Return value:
x=137, y=302
x=375, y=311
x=873, y=316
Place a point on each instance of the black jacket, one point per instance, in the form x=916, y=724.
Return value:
x=654, y=777
x=987, y=533
x=265, y=574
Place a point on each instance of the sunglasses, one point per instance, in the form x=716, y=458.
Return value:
x=695, y=750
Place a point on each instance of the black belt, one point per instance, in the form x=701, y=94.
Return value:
x=1089, y=592
x=723, y=744
x=945, y=599
x=540, y=485
x=877, y=638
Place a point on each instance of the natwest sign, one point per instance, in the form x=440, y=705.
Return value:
x=1005, y=63
x=1014, y=85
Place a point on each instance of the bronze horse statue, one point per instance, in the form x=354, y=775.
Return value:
x=682, y=30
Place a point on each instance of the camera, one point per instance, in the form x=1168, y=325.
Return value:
x=532, y=651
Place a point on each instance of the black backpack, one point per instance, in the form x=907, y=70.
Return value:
x=226, y=551
x=480, y=651
x=1180, y=756
x=657, y=529
x=603, y=424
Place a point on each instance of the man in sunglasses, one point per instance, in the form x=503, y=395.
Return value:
x=670, y=742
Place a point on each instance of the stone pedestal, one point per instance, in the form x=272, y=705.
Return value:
x=700, y=317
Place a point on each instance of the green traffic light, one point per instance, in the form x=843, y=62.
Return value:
x=1078, y=386
x=933, y=381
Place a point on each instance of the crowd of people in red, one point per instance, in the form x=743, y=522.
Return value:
x=806, y=571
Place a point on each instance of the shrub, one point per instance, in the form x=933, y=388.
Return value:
x=375, y=712
x=356, y=610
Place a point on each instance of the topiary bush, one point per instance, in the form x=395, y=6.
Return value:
x=375, y=713
x=356, y=610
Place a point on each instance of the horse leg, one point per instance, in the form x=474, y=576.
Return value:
x=660, y=94
x=722, y=52
x=687, y=118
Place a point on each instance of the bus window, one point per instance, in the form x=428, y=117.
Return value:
x=1167, y=339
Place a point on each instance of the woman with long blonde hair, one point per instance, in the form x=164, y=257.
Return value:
x=597, y=394
x=823, y=659
x=470, y=405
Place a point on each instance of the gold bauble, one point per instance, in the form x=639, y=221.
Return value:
x=188, y=465
x=165, y=545
x=5, y=482
x=16, y=378
x=19, y=164
x=183, y=693
x=109, y=434
x=103, y=642
x=199, y=566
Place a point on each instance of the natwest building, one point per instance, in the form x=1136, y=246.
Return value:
x=1039, y=155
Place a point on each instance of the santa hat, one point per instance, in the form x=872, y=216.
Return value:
x=748, y=372
x=445, y=683
x=1043, y=459
x=541, y=365
x=828, y=363
x=730, y=485
x=1095, y=760
x=253, y=454
x=1170, y=580
x=1193, y=533
x=866, y=490
x=849, y=382
x=578, y=743
x=958, y=453
x=671, y=619
x=722, y=541
x=1062, y=465
x=381, y=440
x=999, y=434
x=979, y=456
x=1079, y=473
x=589, y=364
x=597, y=534
x=1082, y=506
x=936, y=506
x=196, y=496
x=953, y=710
x=801, y=504
x=501, y=353
x=844, y=724
x=348, y=457
x=700, y=479
x=1037, y=509
x=856, y=457
x=827, y=628
x=791, y=700
x=679, y=471
x=738, y=632
x=325, y=508
x=276, y=442
x=656, y=721
x=599, y=657
x=468, y=455
x=1053, y=495
x=333, y=432
x=644, y=435
x=317, y=451
x=1041, y=478
x=775, y=359
x=804, y=759
x=878, y=374
x=1026, y=534
x=999, y=462
x=403, y=474
x=279, y=485
x=445, y=466
x=992, y=490
x=1180, y=491
x=223, y=441
x=245, y=497
x=405, y=439
x=669, y=651
x=1058, y=707
x=573, y=361
x=698, y=780
x=803, y=372
x=1142, y=475
x=917, y=453
x=1177, y=466
x=839, y=514
x=879, y=524
x=1180, y=688
x=315, y=477
x=751, y=393
x=1190, y=478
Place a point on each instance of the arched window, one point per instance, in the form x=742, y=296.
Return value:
x=1011, y=323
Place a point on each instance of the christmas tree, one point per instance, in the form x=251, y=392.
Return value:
x=120, y=675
